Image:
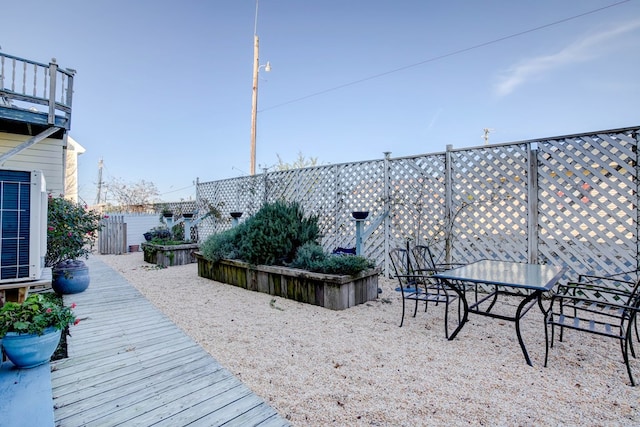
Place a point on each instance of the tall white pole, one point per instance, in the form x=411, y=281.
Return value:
x=254, y=105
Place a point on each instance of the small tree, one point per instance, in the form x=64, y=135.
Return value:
x=72, y=230
x=300, y=162
x=137, y=196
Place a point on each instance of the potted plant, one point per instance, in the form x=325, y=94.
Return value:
x=30, y=331
x=71, y=233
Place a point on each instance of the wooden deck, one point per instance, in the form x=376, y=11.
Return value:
x=130, y=365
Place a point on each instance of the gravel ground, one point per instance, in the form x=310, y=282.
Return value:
x=356, y=367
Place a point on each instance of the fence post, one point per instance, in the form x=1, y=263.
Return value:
x=636, y=139
x=387, y=208
x=532, y=196
x=448, y=201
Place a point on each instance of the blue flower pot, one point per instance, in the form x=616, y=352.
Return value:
x=29, y=350
x=70, y=277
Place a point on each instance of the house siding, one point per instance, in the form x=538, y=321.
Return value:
x=47, y=156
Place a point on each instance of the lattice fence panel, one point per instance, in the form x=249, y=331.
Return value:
x=417, y=192
x=314, y=189
x=489, y=204
x=587, y=217
x=226, y=196
x=360, y=187
x=247, y=196
x=588, y=202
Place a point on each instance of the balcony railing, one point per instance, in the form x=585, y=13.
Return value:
x=36, y=87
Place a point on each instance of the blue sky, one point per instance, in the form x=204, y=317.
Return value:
x=163, y=88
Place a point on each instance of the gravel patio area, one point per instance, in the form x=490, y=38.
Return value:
x=356, y=367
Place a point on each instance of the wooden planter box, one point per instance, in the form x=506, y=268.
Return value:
x=168, y=255
x=331, y=291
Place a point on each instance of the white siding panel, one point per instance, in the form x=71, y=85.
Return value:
x=45, y=156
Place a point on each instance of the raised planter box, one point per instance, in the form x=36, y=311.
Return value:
x=331, y=291
x=168, y=255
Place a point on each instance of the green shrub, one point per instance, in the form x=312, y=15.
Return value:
x=222, y=245
x=280, y=234
x=311, y=257
x=274, y=234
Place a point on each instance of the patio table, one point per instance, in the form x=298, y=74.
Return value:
x=506, y=278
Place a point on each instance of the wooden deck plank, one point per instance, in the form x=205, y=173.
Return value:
x=90, y=365
x=130, y=365
x=118, y=403
x=132, y=374
x=171, y=401
x=249, y=410
x=181, y=410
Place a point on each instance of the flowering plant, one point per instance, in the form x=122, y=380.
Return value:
x=71, y=230
x=37, y=313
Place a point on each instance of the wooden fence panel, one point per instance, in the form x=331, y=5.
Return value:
x=112, y=239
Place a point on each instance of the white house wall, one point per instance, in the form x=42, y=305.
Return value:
x=46, y=156
x=73, y=151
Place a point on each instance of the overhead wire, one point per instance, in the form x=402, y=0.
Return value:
x=446, y=55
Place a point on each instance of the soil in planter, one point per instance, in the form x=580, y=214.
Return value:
x=61, y=350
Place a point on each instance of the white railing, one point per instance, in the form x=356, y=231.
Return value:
x=29, y=85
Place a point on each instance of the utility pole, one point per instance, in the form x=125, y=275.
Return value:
x=486, y=135
x=254, y=97
x=99, y=195
x=254, y=100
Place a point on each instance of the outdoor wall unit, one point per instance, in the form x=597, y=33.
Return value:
x=23, y=220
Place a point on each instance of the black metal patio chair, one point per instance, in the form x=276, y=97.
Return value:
x=418, y=285
x=426, y=262
x=604, y=306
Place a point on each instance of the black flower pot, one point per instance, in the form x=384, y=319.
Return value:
x=360, y=214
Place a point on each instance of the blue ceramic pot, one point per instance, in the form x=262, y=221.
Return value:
x=29, y=350
x=70, y=277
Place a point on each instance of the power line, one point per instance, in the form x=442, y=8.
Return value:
x=179, y=189
x=446, y=55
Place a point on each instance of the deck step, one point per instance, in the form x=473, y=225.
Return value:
x=25, y=396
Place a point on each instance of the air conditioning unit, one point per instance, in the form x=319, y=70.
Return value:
x=23, y=220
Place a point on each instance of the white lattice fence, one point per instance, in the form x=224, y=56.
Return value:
x=589, y=202
x=417, y=201
x=489, y=203
x=565, y=200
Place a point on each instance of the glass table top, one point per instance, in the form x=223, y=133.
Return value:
x=513, y=274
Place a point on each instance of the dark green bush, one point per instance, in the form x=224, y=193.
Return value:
x=311, y=257
x=274, y=234
x=280, y=234
x=222, y=245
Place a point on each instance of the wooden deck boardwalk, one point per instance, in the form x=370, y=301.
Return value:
x=130, y=365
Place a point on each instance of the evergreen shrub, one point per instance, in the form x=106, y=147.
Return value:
x=280, y=234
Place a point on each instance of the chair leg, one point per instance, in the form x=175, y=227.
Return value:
x=402, y=319
x=546, y=339
x=625, y=355
x=635, y=326
x=446, y=319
